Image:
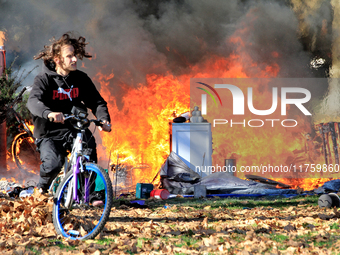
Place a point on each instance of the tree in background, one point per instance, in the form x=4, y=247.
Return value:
x=9, y=83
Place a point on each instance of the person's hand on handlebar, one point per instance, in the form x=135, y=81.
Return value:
x=56, y=117
x=106, y=126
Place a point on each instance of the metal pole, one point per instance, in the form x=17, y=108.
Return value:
x=335, y=146
x=116, y=176
x=2, y=59
x=3, y=135
x=323, y=142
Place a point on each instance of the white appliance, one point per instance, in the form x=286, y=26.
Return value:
x=193, y=144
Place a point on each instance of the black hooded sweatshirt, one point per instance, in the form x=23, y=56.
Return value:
x=52, y=92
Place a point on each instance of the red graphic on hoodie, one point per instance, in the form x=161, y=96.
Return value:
x=62, y=96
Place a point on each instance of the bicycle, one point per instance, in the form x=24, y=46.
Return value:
x=74, y=216
x=23, y=149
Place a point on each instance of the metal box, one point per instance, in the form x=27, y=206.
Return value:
x=193, y=144
x=143, y=190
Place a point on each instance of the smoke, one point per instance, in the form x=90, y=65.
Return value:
x=133, y=38
x=130, y=38
x=315, y=23
x=137, y=35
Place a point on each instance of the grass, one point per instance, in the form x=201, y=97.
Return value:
x=334, y=226
x=238, y=237
x=234, y=203
x=33, y=250
x=278, y=237
x=188, y=240
x=105, y=241
x=139, y=242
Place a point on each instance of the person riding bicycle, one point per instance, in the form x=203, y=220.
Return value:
x=58, y=88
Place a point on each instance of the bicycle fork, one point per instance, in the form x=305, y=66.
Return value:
x=78, y=167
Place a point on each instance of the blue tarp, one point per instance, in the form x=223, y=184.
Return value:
x=333, y=185
x=253, y=195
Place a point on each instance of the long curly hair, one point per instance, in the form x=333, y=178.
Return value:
x=53, y=50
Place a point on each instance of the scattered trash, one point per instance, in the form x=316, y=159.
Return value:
x=333, y=185
x=127, y=204
x=160, y=194
x=179, y=120
x=329, y=200
x=14, y=192
x=143, y=190
x=167, y=206
x=267, y=181
x=140, y=202
x=320, y=190
x=178, y=178
x=13, y=189
x=200, y=191
x=27, y=192
x=18, y=191
x=196, y=116
x=186, y=115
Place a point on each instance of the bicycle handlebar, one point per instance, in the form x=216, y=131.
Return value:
x=74, y=117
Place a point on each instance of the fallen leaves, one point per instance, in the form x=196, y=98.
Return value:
x=220, y=230
x=25, y=222
x=26, y=225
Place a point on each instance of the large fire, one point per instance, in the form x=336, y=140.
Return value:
x=141, y=136
x=141, y=128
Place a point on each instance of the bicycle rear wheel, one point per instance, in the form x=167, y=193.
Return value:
x=80, y=219
x=25, y=154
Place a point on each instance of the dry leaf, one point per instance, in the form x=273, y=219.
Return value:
x=205, y=222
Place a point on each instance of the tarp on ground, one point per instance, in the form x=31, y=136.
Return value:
x=329, y=186
x=178, y=178
x=175, y=169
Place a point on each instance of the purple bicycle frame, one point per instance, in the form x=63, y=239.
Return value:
x=76, y=171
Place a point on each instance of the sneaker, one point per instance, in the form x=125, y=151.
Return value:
x=97, y=203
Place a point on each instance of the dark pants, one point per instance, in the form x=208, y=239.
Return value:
x=53, y=153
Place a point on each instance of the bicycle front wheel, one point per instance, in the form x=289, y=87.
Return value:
x=82, y=218
x=25, y=154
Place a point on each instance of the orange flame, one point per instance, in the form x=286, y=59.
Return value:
x=141, y=127
x=25, y=159
x=30, y=126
